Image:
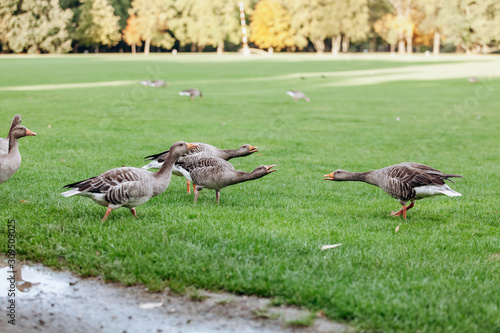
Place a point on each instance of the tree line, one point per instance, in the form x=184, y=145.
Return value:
x=403, y=26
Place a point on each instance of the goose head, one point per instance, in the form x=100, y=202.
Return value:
x=21, y=131
x=181, y=148
x=263, y=170
x=338, y=175
x=248, y=149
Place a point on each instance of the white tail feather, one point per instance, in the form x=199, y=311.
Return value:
x=184, y=93
x=153, y=165
x=70, y=193
x=432, y=190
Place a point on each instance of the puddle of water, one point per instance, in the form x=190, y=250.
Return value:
x=53, y=301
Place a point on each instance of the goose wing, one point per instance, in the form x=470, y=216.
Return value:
x=206, y=170
x=402, y=179
x=115, y=184
x=201, y=150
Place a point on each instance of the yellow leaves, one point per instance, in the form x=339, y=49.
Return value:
x=131, y=34
x=270, y=25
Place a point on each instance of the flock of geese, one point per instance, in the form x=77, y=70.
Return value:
x=206, y=166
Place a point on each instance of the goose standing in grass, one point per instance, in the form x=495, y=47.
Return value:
x=10, y=158
x=216, y=173
x=296, y=95
x=128, y=187
x=202, y=150
x=406, y=182
x=192, y=93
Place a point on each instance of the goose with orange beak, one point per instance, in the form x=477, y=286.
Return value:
x=129, y=187
x=10, y=157
x=406, y=182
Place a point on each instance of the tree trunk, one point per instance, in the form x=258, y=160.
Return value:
x=319, y=45
x=147, y=43
x=336, y=44
x=270, y=50
x=96, y=49
x=373, y=44
x=133, y=48
x=220, y=48
x=409, y=40
x=393, y=49
x=345, y=44
x=437, y=43
x=401, y=46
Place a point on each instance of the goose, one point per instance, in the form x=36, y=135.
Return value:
x=146, y=83
x=405, y=181
x=215, y=173
x=126, y=186
x=158, y=83
x=192, y=93
x=296, y=95
x=10, y=158
x=202, y=150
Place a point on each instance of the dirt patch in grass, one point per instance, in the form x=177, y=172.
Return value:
x=55, y=301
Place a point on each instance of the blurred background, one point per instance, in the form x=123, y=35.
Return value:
x=397, y=26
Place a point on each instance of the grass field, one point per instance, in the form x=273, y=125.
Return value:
x=440, y=272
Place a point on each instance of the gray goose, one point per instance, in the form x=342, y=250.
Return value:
x=216, y=173
x=126, y=186
x=10, y=158
x=202, y=150
x=296, y=95
x=192, y=93
x=406, y=182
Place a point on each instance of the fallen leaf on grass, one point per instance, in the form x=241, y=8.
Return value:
x=150, y=305
x=397, y=228
x=326, y=247
x=25, y=201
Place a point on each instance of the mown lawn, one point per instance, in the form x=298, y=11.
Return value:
x=440, y=272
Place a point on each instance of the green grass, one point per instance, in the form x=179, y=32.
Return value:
x=440, y=272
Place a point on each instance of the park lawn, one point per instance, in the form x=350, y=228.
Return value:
x=440, y=272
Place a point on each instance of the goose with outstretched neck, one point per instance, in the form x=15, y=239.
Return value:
x=202, y=150
x=10, y=157
x=126, y=186
x=216, y=173
x=406, y=182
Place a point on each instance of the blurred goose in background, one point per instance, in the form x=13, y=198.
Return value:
x=296, y=95
x=202, y=150
x=216, y=173
x=405, y=182
x=473, y=79
x=192, y=93
x=146, y=83
x=158, y=83
x=126, y=186
x=10, y=158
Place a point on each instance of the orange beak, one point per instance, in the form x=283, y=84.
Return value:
x=191, y=146
x=253, y=149
x=329, y=176
x=30, y=133
x=269, y=167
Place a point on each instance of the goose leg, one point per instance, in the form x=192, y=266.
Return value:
x=402, y=211
x=217, y=195
x=132, y=210
x=192, y=98
x=107, y=214
x=188, y=186
x=196, y=192
x=194, y=187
